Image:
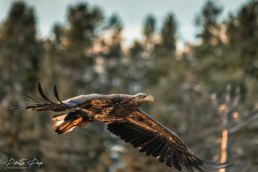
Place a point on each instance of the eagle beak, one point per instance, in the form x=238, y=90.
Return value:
x=149, y=99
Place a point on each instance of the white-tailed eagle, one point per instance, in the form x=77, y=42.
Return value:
x=123, y=117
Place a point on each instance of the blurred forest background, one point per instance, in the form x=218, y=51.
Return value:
x=208, y=89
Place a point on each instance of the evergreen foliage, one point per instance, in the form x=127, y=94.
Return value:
x=189, y=87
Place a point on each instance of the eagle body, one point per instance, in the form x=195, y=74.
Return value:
x=113, y=107
x=103, y=108
x=124, y=119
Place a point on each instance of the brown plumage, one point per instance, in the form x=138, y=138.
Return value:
x=123, y=117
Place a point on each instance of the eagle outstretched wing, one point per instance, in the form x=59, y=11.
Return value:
x=152, y=138
x=61, y=106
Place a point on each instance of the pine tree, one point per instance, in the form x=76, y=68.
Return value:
x=21, y=53
x=168, y=35
x=149, y=28
x=71, y=64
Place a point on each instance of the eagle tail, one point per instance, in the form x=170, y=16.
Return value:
x=63, y=127
x=67, y=122
x=59, y=117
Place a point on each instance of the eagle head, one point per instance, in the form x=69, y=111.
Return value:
x=143, y=98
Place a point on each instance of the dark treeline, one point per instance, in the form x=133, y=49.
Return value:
x=192, y=89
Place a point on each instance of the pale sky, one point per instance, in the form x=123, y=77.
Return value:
x=131, y=12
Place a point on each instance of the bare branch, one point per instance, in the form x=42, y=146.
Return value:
x=246, y=122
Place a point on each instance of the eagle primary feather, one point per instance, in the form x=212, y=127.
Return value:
x=123, y=117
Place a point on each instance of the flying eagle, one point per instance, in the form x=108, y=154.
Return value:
x=123, y=117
